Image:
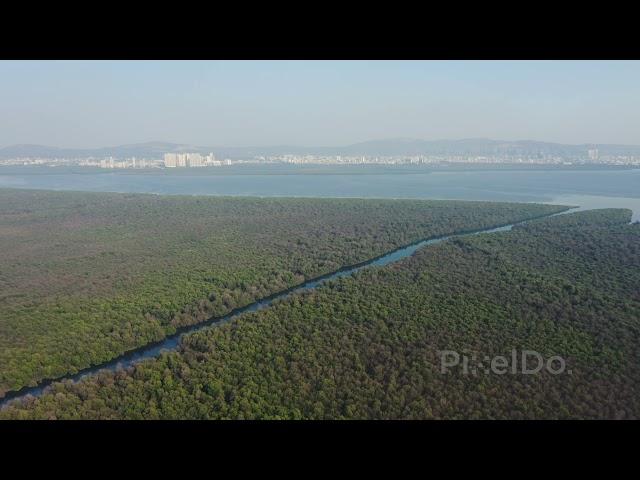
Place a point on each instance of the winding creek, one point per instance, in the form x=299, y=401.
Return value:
x=172, y=342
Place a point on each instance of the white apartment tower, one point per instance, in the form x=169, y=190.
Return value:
x=195, y=160
x=170, y=160
x=187, y=160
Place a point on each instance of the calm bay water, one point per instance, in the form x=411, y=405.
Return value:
x=586, y=188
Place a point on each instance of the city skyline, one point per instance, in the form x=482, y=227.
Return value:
x=390, y=151
x=171, y=160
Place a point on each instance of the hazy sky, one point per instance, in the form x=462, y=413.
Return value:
x=316, y=103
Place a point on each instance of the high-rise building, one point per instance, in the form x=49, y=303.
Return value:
x=188, y=160
x=170, y=160
x=195, y=160
x=593, y=154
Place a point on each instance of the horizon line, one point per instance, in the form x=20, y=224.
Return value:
x=388, y=139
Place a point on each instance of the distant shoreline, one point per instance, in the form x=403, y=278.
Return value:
x=275, y=169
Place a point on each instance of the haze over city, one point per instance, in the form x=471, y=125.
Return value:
x=88, y=104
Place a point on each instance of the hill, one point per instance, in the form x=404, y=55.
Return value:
x=387, y=147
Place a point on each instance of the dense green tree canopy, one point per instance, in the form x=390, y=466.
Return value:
x=85, y=277
x=367, y=346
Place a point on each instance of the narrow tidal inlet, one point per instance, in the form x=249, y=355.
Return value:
x=172, y=342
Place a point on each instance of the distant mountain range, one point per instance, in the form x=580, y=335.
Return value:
x=388, y=147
